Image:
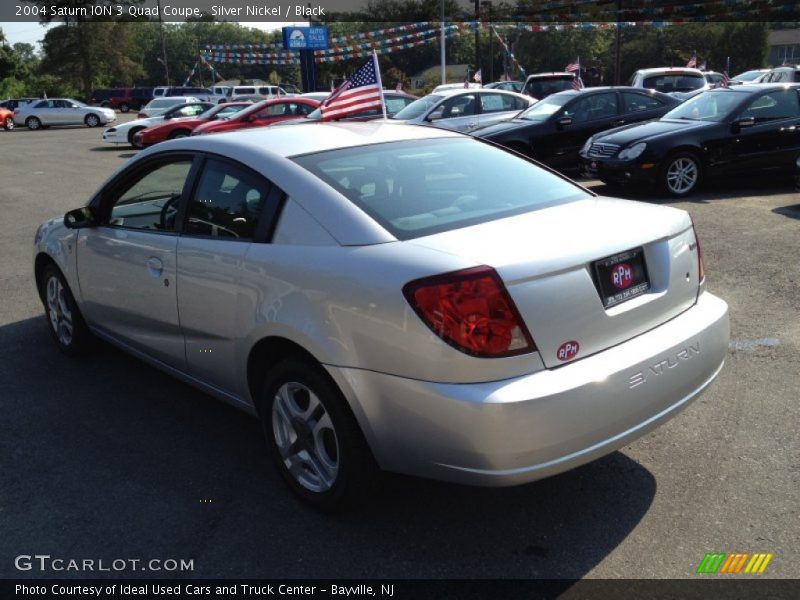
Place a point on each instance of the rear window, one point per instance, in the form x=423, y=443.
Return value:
x=421, y=187
x=685, y=82
x=541, y=88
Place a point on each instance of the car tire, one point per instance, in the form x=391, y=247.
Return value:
x=33, y=123
x=681, y=174
x=8, y=124
x=124, y=107
x=65, y=322
x=179, y=133
x=313, y=436
x=92, y=120
x=131, y=134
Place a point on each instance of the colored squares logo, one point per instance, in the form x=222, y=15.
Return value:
x=734, y=563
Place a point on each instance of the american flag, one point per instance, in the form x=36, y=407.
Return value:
x=577, y=82
x=358, y=93
x=692, y=61
x=477, y=77
x=574, y=66
x=726, y=80
x=702, y=66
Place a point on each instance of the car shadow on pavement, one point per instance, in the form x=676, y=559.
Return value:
x=106, y=457
x=711, y=192
x=792, y=211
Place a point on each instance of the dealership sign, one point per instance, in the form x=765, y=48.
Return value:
x=305, y=38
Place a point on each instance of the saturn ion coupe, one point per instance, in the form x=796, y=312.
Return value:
x=391, y=296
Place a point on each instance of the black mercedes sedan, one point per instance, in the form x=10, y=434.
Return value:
x=553, y=130
x=724, y=132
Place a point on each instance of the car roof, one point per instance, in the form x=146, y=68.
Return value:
x=756, y=87
x=457, y=91
x=317, y=137
x=654, y=70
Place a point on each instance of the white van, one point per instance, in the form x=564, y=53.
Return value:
x=268, y=91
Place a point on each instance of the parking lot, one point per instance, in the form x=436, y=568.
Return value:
x=106, y=457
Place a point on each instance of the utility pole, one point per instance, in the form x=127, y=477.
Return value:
x=477, y=35
x=441, y=44
x=617, y=46
x=163, y=43
x=488, y=5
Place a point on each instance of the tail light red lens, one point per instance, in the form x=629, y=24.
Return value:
x=701, y=267
x=472, y=311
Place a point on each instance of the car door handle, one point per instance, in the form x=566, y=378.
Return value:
x=154, y=266
x=618, y=123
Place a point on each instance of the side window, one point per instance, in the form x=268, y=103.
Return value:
x=227, y=203
x=460, y=106
x=519, y=104
x=151, y=202
x=591, y=108
x=633, y=102
x=780, y=104
x=496, y=103
x=43, y=104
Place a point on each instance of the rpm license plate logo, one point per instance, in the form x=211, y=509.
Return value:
x=568, y=350
x=622, y=276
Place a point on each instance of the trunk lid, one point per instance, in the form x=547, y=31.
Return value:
x=546, y=259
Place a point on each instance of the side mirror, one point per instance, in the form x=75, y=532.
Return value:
x=739, y=124
x=563, y=122
x=79, y=218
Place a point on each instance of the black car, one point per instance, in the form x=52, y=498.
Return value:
x=741, y=130
x=553, y=130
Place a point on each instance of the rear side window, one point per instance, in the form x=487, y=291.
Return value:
x=633, y=102
x=499, y=102
x=780, y=104
x=420, y=187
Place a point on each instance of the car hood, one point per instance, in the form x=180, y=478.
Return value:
x=641, y=132
x=507, y=126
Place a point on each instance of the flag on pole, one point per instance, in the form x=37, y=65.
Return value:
x=702, y=66
x=360, y=92
x=574, y=66
x=477, y=77
x=726, y=80
x=692, y=61
x=398, y=87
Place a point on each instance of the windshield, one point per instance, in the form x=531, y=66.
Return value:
x=678, y=82
x=748, y=76
x=220, y=111
x=420, y=187
x=708, y=106
x=418, y=108
x=544, y=108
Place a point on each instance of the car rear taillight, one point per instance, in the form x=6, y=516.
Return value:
x=472, y=311
x=701, y=267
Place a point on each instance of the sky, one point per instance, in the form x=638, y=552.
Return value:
x=32, y=33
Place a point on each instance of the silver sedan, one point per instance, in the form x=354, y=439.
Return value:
x=464, y=109
x=62, y=111
x=392, y=297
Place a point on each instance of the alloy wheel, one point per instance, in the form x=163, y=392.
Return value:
x=58, y=310
x=682, y=175
x=92, y=121
x=305, y=437
x=9, y=124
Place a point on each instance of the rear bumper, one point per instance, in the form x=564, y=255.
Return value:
x=518, y=430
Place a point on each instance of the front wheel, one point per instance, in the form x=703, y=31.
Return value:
x=124, y=107
x=8, y=124
x=315, y=440
x=131, y=138
x=67, y=326
x=92, y=120
x=33, y=123
x=681, y=174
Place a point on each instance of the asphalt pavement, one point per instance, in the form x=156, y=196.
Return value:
x=107, y=458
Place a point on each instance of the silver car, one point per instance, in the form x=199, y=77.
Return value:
x=464, y=109
x=392, y=297
x=62, y=111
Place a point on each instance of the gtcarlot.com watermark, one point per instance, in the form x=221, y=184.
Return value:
x=46, y=563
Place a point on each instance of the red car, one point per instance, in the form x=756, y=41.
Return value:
x=6, y=119
x=263, y=113
x=178, y=128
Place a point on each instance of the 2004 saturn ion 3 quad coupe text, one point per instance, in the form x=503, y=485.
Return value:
x=391, y=296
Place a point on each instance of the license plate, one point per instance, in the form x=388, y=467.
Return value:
x=621, y=277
